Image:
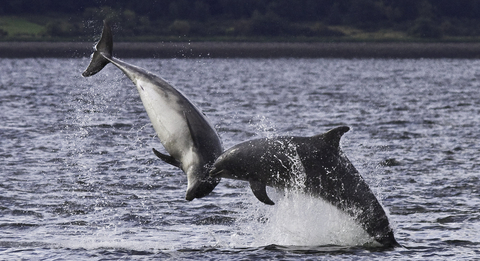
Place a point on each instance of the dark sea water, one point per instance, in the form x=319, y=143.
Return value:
x=79, y=180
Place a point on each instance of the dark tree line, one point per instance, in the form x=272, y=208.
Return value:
x=421, y=18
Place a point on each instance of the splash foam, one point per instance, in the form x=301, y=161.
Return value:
x=298, y=219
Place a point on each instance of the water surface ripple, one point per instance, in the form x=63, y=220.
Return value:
x=79, y=180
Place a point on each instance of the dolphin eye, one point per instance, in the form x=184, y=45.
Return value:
x=141, y=87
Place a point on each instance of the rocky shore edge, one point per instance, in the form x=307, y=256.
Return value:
x=244, y=50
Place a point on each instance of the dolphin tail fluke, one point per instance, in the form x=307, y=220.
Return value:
x=260, y=191
x=102, y=53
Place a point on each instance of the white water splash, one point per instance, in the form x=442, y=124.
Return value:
x=301, y=220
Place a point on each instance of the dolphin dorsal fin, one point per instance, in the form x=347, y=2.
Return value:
x=333, y=136
x=167, y=158
x=259, y=189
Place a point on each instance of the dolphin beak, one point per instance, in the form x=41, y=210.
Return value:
x=202, y=188
x=190, y=195
x=192, y=191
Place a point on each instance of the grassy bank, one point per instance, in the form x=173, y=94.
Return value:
x=57, y=28
x=17, y=28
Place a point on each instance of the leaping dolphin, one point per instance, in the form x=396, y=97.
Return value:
x=186, y=134
x=280, y=162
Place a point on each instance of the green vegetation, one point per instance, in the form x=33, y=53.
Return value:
x=19, y=27
x=243, y=20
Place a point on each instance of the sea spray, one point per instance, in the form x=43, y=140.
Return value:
x=298, y=219
x=98, y=124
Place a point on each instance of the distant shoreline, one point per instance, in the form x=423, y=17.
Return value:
x=244, y=50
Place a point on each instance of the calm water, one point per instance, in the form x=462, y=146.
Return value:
x=79, y=180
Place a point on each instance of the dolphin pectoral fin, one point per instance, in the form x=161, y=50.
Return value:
x=102, y=53
x=259, y=189
x=167, y=158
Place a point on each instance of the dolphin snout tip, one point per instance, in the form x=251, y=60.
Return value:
x=200, y=189
x=191, y=193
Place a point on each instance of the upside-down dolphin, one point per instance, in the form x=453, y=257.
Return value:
x=186, y=134
x=315, y=165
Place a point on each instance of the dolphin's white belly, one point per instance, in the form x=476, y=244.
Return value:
x=187, y=136
x=166, y=114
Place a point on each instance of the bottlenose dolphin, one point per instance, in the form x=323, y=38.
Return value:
x=315, y=165
x=186, y=134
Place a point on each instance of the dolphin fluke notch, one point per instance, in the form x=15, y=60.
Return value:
x=102, y=53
